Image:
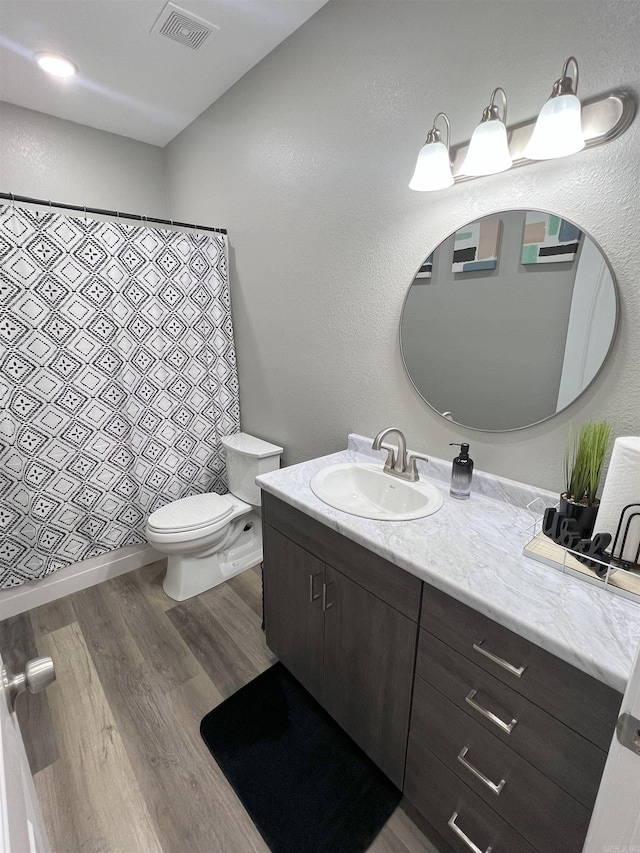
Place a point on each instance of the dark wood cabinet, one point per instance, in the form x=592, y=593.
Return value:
x=294, y=619
x=369, y=651
x=344, y=634
x=494, y=741
x=517, y=735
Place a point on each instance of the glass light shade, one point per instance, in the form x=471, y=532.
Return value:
x=488, y=150
x=58, y=66
x=433, y=169
x=558, y=130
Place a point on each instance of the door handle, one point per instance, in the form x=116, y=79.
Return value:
x=38, y=674
x=312, y=577
x=451, y=823
x=514, y=670
x=326, y=606
x=505, y=727
x=628, y=732
x=491, y=785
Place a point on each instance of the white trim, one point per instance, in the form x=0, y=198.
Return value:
x=615, y=822
x=74, y=578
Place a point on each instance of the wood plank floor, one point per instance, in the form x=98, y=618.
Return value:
x=114, y=744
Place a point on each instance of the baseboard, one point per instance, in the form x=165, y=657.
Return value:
x=74, y=578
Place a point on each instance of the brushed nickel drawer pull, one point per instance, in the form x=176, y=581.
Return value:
x=514, y=670
x=505, y=727
x=491, y=785
x=312, y=577
x=326, y=606
x=451, y=823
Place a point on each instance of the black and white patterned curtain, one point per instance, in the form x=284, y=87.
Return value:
x=117, y=380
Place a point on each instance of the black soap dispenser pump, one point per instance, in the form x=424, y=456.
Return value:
x=461, y=473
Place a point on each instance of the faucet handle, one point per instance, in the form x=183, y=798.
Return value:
x=391, y=456
x=411, y=460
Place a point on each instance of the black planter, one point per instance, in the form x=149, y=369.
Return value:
x=584, y=516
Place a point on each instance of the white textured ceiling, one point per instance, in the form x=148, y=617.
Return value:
x=132, y=82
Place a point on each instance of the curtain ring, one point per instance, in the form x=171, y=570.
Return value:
x=13, y=198
x=85, y=213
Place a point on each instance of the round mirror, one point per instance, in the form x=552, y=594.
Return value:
x=509, y=320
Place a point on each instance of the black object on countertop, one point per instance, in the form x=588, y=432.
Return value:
x=590, y=552
x=461, y=472
x=306, y=785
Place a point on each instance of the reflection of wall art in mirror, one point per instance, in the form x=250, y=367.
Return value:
x=426, y=268
x=503, y=348
x=475, y=247
x=548, y=239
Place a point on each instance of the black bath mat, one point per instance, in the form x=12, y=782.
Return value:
x=306, y=785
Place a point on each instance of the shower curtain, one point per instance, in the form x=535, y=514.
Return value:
x=117, y=379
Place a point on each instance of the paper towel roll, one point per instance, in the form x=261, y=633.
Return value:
x=621, y=487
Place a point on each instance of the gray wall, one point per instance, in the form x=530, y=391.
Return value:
x=488, y=346
x=306, y=160
x=51, y=158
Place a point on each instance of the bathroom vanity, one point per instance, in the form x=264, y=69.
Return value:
x=485, y=686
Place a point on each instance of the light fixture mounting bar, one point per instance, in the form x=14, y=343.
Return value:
x=604, y=118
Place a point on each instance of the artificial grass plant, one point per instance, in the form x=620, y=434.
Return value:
x=583, y=461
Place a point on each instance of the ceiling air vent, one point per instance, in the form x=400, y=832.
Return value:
x=182, y=26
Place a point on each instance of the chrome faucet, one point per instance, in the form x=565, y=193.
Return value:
x=398, y=464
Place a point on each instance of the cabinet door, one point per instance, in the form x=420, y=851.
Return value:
x=369, y=652
x=293, y=617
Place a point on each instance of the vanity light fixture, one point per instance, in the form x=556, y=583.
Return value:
x=565, y=126
x=433, y=169
x=558, y=130
x=489, y=150
x=55, y=64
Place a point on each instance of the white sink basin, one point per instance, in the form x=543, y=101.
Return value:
x=363, y=489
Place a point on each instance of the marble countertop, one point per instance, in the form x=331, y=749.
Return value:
x=472, y=550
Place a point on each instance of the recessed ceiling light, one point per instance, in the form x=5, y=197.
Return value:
x=55, y=64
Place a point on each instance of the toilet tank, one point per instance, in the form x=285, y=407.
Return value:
x=247, y=456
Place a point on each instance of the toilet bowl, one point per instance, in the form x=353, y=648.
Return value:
x=209, y=538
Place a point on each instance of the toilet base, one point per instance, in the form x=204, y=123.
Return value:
x=188, y=575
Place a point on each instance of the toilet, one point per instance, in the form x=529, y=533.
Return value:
x=209, y=538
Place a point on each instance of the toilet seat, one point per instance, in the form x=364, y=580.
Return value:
x=193, y=514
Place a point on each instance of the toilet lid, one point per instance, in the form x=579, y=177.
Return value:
x=191, y=513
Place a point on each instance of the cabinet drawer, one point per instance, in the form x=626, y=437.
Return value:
x=396, y=587
x=543, y=813
x=567, y=758
x=442, y=799
x=581, y=702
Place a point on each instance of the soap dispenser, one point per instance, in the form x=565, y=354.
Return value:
x=461, y=473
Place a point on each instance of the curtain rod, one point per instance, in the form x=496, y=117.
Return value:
x=11, y=197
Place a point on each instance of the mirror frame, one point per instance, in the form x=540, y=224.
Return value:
x=614, y=335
